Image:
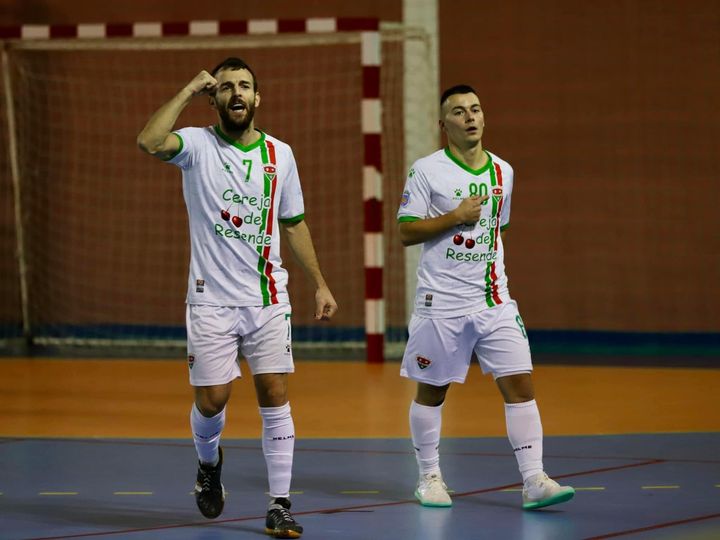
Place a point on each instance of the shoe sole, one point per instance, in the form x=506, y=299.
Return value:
x=555, y=499
x=282, y=534
x=431, y=505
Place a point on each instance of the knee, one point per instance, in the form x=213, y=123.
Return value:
x=272, y=391
x=210, y=403
x=431, y=396
x=208, y=408
x=519, y=396
x=516, y=388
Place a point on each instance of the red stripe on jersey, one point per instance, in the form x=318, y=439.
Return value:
x=271, y=151
x=498, y=174
x=269, y=228
x=493, y=276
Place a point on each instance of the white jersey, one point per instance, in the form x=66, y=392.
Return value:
x=235, y=196
x=461, y=271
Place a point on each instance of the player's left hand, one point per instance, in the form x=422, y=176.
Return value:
x=325, y=305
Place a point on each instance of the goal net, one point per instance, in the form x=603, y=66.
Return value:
x=95, y=232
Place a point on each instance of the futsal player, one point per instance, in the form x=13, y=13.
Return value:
x=456, y=204
x=241, y=188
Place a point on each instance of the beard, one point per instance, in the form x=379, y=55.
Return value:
x=231, y=125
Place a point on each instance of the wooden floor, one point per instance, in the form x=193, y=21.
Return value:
x=151, y=399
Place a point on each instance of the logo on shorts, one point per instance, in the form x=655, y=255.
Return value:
x=287, y=348
x=199, y=285
x=428, y=300
x=423, y=362
x=191, y=361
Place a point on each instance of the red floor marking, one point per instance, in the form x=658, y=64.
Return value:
x=333, y=510
x=654, y=527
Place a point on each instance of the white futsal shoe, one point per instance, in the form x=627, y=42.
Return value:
x=541, y=490
x=432, y=491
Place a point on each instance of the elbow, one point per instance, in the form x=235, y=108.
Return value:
x=146, y=145
x=143, y=145
x=406, y=240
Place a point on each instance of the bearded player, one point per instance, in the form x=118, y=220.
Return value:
x=241, y=188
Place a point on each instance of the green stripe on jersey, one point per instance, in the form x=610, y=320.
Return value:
x=406, y=219
x=262, y=262
x=292, y=220
x=176, y=152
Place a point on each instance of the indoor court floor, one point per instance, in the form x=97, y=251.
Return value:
x=101, y=448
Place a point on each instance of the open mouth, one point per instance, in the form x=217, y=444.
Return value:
x=237, y=107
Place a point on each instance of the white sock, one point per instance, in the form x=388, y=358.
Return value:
x=425, y=425
x=278, y=443
x=206, y=434
x=526, y=437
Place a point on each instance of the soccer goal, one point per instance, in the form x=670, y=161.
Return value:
x=96, y=232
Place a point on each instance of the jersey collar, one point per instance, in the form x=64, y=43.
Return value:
x=476, y=172
x=220, y=133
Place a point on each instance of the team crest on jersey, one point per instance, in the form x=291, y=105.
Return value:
x=191, y=361
x=423, y=362
x=497, y=191
x=270, y=172
x=405, y=199
x=458, y=194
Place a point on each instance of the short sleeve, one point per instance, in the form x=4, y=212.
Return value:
x=292, y=206
x=507, y=199
x=415, y=201
x=185, y=156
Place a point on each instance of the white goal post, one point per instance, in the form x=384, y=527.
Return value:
x=101, y=237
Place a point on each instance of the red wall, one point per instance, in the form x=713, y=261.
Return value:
x=609, y=114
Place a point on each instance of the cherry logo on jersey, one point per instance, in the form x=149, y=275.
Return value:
x=497, y=191
x=423, y=362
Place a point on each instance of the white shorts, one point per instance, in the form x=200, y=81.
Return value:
x=439, y=351
x=216, y=335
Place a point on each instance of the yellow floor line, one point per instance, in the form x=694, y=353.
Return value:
x=512, y=489
x=53, y=493
x=661, y=487
x=589, y=488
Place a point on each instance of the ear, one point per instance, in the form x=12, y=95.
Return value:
x=257, y=99
x=441, y=124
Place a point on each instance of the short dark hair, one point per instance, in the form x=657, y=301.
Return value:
x=234, y=63
x=457, y=89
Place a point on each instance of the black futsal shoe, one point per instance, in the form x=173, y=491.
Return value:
x=279, y=522
x=209, y=491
